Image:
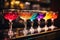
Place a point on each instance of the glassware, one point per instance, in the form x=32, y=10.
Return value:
x=32, y=18
x=39, y=17
x=48, y=16
x=25, y=16
x=10, y=16
x=54, y=16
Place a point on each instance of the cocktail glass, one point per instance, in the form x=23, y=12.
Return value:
x=48, y=16
x=54, y=16
x=32, y=18
x=10, y=16
x=39, y=17
x=25, y=16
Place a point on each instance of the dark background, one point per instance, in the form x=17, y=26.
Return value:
x=54, y=5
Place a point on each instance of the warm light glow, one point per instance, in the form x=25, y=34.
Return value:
x=17, y=2
x=21, y=5
x=6, y=4
x=12, y=3
x=44, y=12
x=27, y=3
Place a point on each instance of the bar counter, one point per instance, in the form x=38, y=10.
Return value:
x=49, y=35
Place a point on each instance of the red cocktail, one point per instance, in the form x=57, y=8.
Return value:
x=10, y=16
x=54, y=16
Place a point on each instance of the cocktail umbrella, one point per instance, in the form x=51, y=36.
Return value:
x=10, y=16
x=32, y=18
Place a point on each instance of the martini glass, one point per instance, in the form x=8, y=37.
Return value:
x=39, y=17
x=54, y=16
x=32, y=18
x=10, y=16
x=48, y=16
x=25, y=16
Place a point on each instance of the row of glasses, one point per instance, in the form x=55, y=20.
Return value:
x=50, y=15
x=25, y=15
x=39, y=16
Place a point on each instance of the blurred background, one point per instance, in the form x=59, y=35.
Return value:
x=44, y=5
x=52, y=5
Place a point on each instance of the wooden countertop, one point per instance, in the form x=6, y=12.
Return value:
x=36, y=34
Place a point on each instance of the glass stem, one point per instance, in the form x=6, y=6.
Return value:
x=38, y=23
x=25, y=25
x=11, y=25
x=10, y=32
x=32, y=24
x=45, y=22
x=52, y=22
